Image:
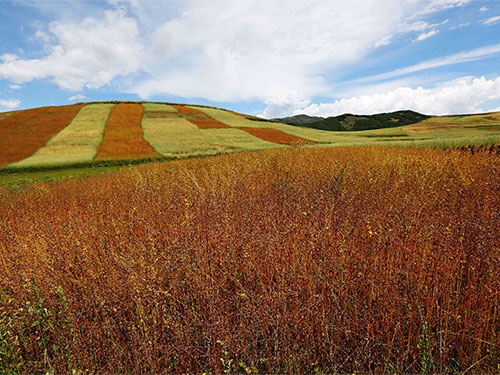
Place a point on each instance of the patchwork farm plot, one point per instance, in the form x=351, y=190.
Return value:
x=176, y=134
x=123, y=132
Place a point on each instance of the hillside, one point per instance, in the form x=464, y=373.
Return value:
x=349, y=122
x=108, y=134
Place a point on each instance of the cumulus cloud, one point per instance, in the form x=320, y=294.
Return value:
x=9, y=104
x=427, y=35
x=87, y=54
x=465, y=95
x=483, y=9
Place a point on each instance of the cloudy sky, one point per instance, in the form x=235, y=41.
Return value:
x=266, y=57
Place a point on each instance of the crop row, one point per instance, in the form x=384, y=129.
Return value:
x=298, y=260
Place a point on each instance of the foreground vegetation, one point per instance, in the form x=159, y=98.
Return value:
x=302, y=260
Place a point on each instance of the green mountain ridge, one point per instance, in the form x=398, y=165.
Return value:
x=350, y=122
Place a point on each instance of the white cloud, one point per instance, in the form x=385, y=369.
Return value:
x=464, y=95
x=14, y=87
x=461, y=57
x=384, y=41
x=243, y=50
x=9, y=104
x=483, y=9
x=491, y=20
x=88, y=54
x=281, y=103
x=427, y=35
x=76, y=98
x=279, y=52
x=262, y=50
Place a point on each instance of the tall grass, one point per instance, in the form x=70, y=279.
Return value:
x=300, y=260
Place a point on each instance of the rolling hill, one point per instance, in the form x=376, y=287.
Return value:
x=117, y=133
x=350, y=122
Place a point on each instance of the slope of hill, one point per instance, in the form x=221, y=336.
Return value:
x=349, y=122
x=108, y=134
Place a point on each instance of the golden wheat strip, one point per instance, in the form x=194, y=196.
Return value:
x=77, y=143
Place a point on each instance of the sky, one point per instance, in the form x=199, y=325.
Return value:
x=272, y=58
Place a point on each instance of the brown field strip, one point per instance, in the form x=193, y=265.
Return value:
x=207, y=123
x=186, y=110
x=200, y=119
x=277, y=136
x=123, y=136
x=245, y=116
x=18, y=118
x=25, y=138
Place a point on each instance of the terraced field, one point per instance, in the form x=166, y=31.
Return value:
x=96, y=133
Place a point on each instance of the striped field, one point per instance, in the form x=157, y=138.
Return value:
x=24, y=139
x=123, y=137
x=77, y=143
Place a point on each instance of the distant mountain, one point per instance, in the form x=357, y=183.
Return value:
x=349, y=122
x=299, y=119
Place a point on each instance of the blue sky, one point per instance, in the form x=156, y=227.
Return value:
x=271, y=58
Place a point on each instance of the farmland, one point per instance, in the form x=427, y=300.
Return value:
x=90, y=135
x=371, y=259
x=270, y=252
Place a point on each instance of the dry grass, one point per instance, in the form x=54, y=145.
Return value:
x=34, y=131
x=277, y=136
x=374, y=260
x=77, y=143
x=123, y=136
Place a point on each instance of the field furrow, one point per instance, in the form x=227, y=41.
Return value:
x=77, y=143
x=123, y=136
x=27, y=137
